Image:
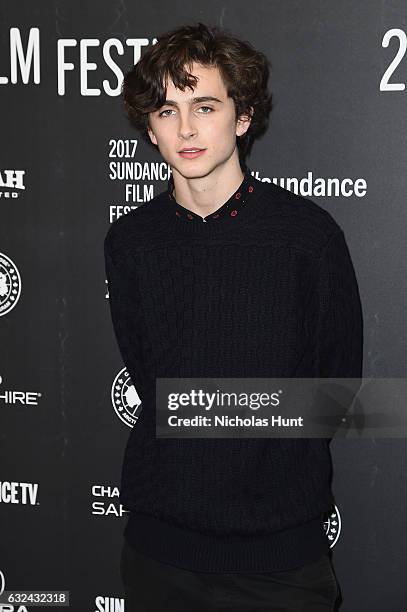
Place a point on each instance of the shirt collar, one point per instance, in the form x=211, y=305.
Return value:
x=231, y=208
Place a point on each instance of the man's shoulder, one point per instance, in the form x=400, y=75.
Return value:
x=298, y=217
x=129, y=229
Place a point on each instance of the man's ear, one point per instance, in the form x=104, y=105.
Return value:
x=243, y=122
x=152, y=135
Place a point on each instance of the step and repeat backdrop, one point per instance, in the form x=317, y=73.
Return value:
x=70, y=165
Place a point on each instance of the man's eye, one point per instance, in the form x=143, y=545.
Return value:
x=165, y=111
x=169, y=110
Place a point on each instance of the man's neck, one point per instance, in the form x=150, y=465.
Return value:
x=204, y=195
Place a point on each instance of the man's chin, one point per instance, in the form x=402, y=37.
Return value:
x=191, y=170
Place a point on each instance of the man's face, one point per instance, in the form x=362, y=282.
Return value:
x=206, y=124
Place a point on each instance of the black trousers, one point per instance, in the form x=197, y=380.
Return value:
x=151, y=586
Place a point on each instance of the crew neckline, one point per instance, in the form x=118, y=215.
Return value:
x=189, y=223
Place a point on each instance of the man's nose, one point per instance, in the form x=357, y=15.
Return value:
x=186, y=126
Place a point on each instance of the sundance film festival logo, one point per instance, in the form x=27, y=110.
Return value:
x=12, y=180
x=125, y=399
x=10, y=284
x=332, y=526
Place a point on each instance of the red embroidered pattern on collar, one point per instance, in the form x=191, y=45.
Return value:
x=230, y=208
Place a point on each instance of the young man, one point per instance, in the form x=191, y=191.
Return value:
x=222, y=275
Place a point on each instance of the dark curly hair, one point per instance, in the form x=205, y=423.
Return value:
x=244, y=71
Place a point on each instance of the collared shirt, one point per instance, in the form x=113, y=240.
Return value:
x=239, y=199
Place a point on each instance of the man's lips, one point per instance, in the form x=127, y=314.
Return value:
x=191, y=154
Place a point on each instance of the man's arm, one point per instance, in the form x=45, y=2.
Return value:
x=126, y=315
x=340, y=321
x=339, y=352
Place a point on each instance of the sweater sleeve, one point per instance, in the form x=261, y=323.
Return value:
x=125, y=314
x=340, y=321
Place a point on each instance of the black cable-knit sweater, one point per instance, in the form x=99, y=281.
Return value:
x=263, y=287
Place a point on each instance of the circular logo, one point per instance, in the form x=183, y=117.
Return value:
x=332, y=526
x=10, y=284
x=125, y=399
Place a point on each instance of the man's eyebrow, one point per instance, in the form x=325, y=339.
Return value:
x=194, y=100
